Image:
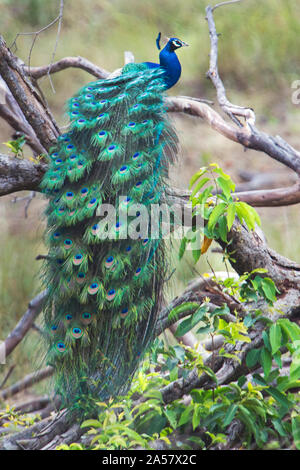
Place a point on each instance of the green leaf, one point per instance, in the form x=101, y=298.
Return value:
x=269, y=288
x=230, y=414
x=215, y=214
x=227, y=186
x=186, y=415
x=275, y=337
x=291, y=328
x=182, y=247
x=171, y=417
x=252, y=357
x=280, y=397
x=196, y=255
x=296, y=431
x=185, y=307
x=189, y=323
x=231, y=211
x=199, y=186
x=196, y=416
x=245, y=215
x=196, y=176
x=222, y=228
x=93, y=423
x=266, y=361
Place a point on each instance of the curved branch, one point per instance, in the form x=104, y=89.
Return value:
x=65, y=63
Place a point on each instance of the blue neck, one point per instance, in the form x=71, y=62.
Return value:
x=169, y=61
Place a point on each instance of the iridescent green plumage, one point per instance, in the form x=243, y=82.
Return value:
x=105, y=288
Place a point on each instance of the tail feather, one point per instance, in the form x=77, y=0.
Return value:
x=104, y=276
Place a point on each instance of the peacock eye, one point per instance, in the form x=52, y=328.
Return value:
x=177, y=43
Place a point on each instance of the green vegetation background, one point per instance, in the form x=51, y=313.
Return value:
x=259, y=60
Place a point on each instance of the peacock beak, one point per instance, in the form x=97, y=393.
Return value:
x=184, y=44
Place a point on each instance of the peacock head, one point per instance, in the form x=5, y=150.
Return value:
x=175, y=43
x=172, y=43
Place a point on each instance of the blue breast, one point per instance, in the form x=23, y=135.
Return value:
x=170, y=63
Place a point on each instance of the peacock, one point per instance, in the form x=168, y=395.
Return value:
x=104, y=271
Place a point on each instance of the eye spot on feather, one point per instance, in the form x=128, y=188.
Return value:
x=69, y=195
x=77, y=332
x=70, y=147
x=92, y=202
x=58, y=161
x=109, y=262
x=84, y=192
x=128, y=248
x=136, y=156
x=60, y=346
x=80, y=278
x=95, y=229
x=131, y=124
x=123, y=169
x=137, y=272
x=77, y=260
x=54, y=328
x=111, y=294
x=68, y=317
x=111, y=148
x=145, y=241
x=93, y=288
x=124, y=312
x=56, y=235
x=86, y=318
x=68, y=243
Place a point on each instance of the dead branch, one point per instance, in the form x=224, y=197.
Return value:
x=36, y=113
x=65, y=63
x=26, y=382
x=34, y=308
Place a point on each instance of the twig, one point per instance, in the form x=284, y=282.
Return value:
x=26, y=382
x=28, y=200
x=230, y=109
x=7, y=375
x=37, y=33
x=224, y=3
x=34, y=308
x=60, y=16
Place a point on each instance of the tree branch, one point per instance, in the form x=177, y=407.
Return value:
x=15, y=337
x=65, y=63
x=31, y=104
x=19, y=174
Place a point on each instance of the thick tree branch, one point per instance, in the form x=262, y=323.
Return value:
x=31, y=104
x=19, y=174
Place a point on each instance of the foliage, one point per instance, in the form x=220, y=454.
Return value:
x=267, y=410
x=218, y=211
x=265, y=400
x=10, y=419
x=16, y=146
